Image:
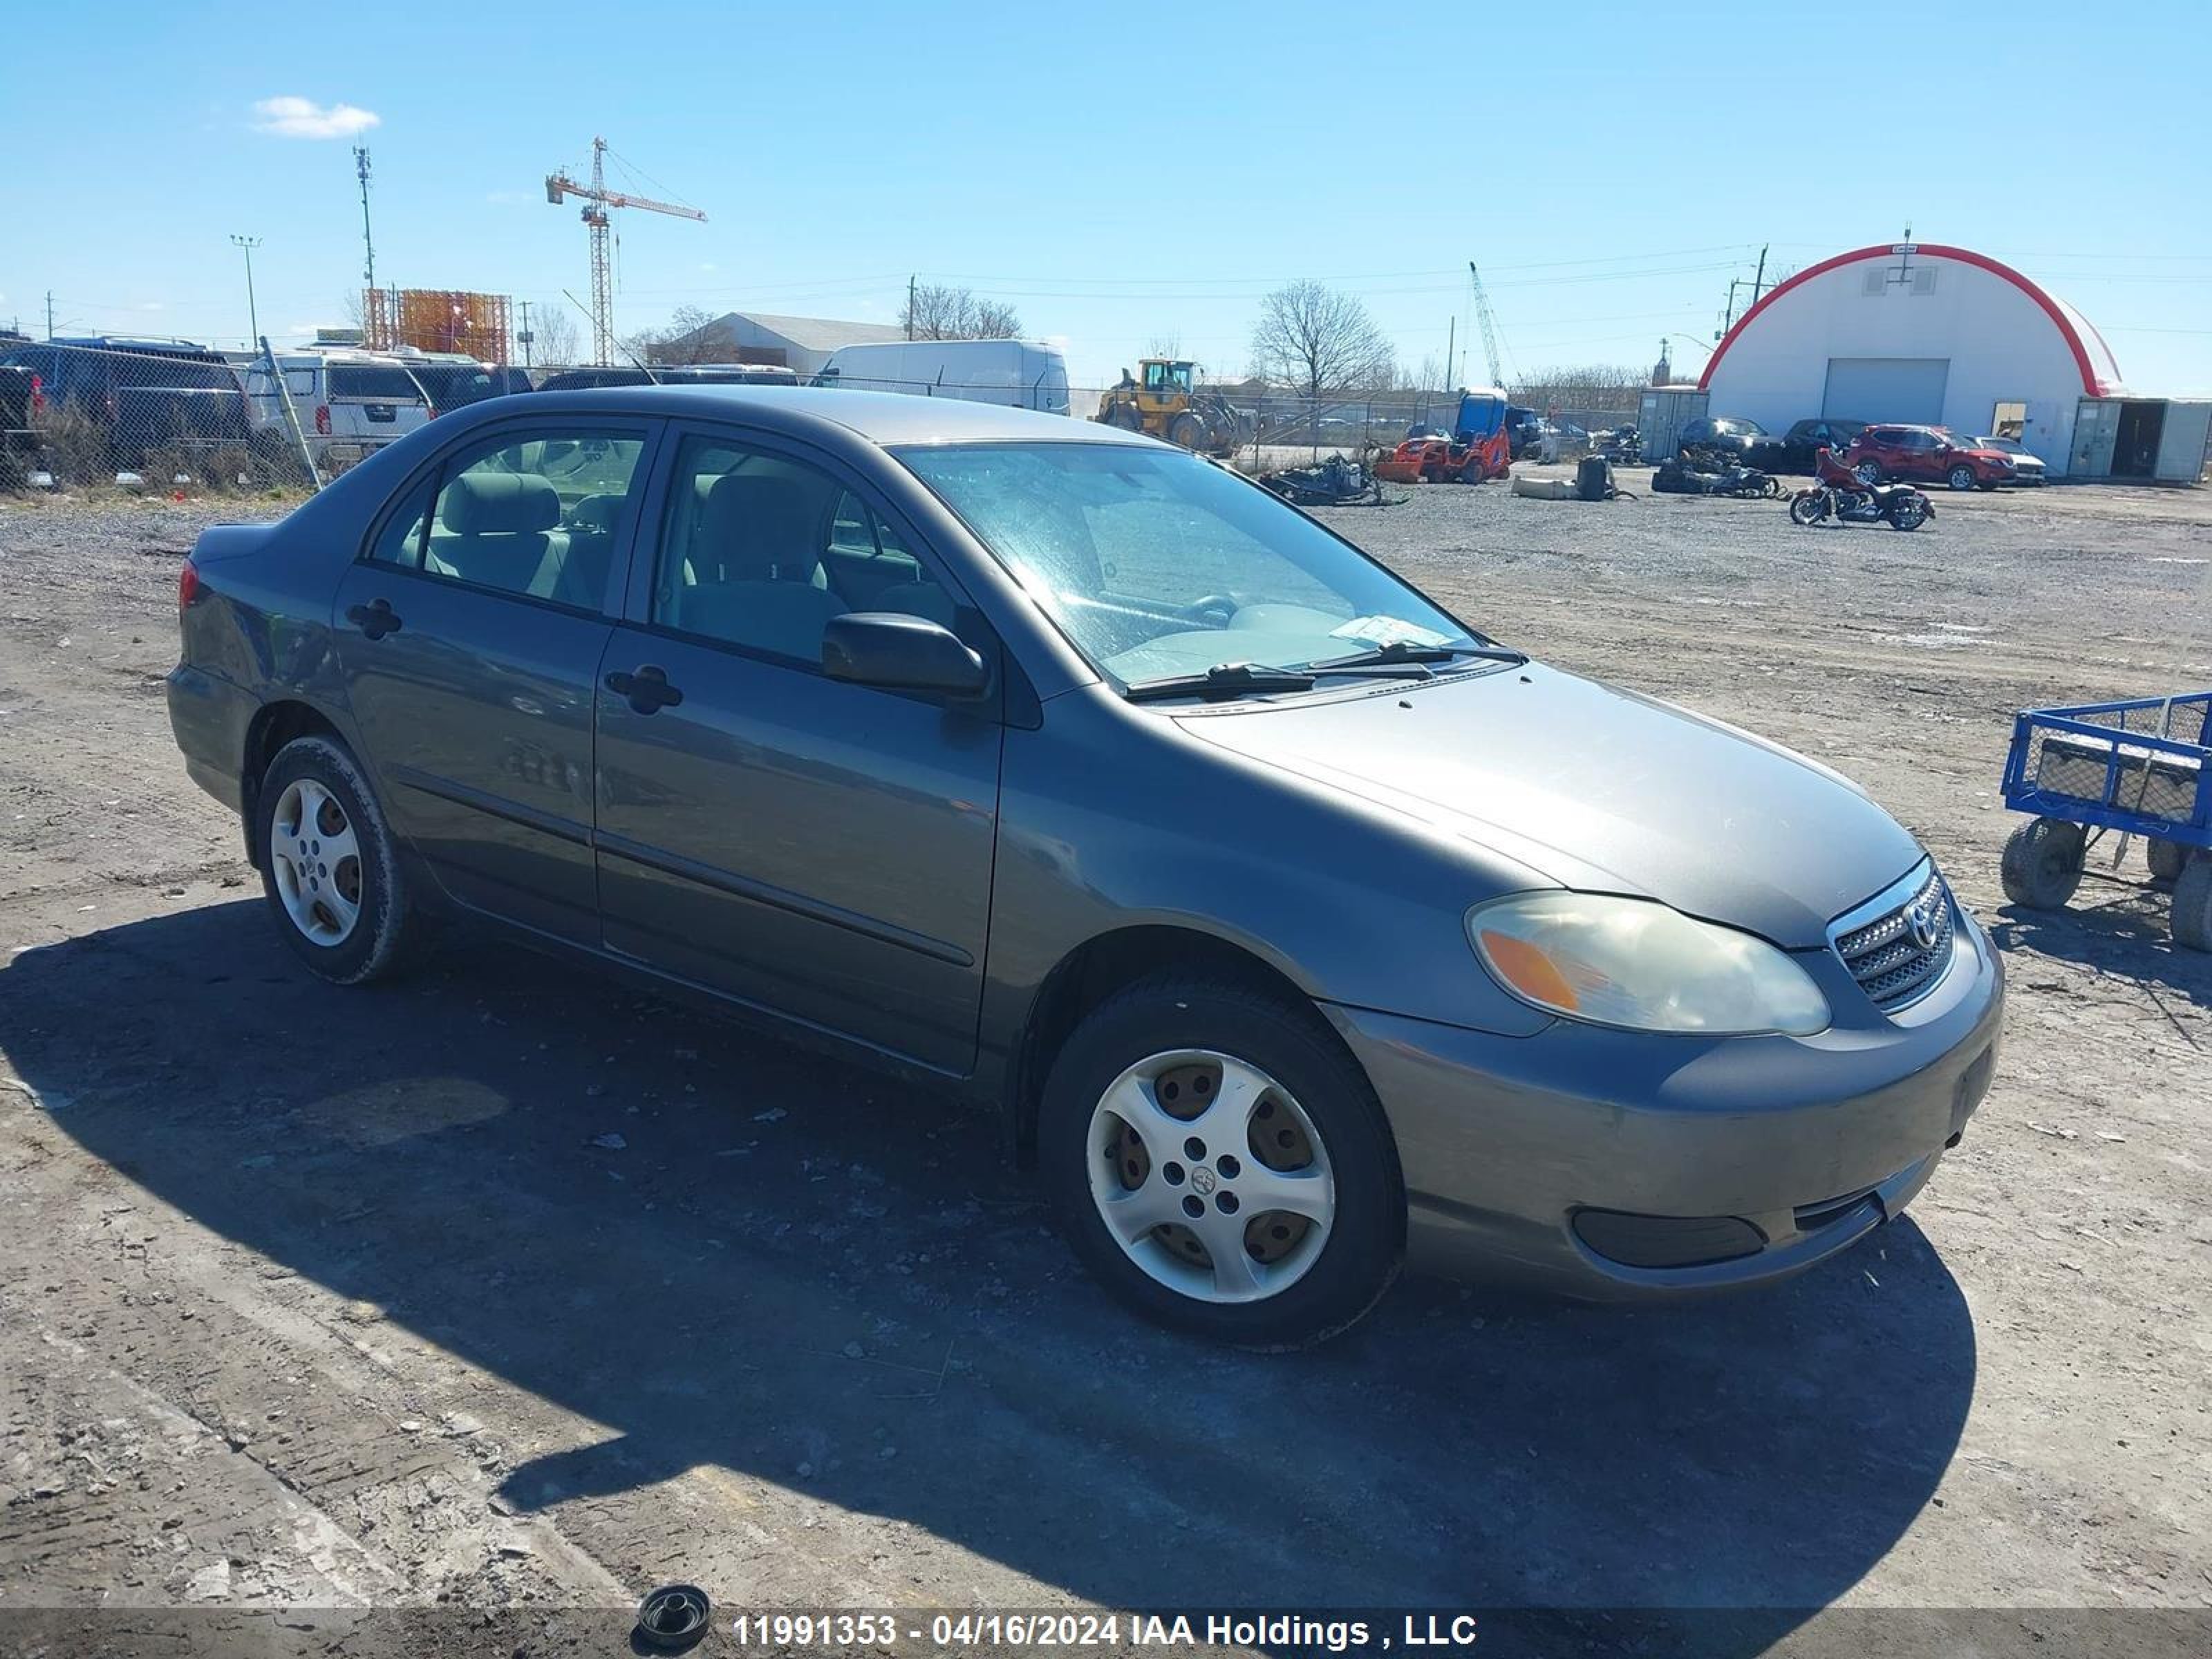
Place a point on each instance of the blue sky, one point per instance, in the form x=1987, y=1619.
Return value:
x=1120, y=174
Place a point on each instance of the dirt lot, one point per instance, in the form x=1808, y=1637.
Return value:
x=339, y=1298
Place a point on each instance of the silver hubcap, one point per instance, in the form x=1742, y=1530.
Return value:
x=316, y=861
x=1210, y=1177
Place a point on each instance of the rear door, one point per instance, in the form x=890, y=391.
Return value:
x=469, y=633
x=815, y=849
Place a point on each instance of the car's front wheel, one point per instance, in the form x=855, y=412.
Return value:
x=1222, y=1165
x=329, y=865
x=1961, y=477
x=1868, y=473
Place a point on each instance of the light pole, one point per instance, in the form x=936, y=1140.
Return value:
x=253, y=316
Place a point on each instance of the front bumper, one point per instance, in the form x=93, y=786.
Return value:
x=1610, y=1164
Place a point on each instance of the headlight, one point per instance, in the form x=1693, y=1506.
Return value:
x=1637, y=964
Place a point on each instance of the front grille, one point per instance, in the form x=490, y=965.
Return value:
x=1891, y=964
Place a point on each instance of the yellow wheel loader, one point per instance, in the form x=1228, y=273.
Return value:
x=1167, y=402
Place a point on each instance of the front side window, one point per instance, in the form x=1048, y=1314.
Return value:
x=1157, y=563
x=759, y=551
x=536, y=513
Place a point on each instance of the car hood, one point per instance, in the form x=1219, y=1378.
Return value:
x=1598, y=789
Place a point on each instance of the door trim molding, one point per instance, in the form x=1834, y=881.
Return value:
x=707, y=875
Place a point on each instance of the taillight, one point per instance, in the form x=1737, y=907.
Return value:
x=188, y=585
x=38, y=394
x=323, y=420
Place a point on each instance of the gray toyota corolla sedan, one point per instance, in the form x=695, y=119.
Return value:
x=1294, y=927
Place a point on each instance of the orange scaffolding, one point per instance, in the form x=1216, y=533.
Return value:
x=436, y=319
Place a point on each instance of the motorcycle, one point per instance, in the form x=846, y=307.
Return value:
x=1836, y=493
x=1727, y=477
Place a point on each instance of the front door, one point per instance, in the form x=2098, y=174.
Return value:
x=469, y=634
x=815, y=849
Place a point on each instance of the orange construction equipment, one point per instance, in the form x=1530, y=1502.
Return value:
x=1480, y=448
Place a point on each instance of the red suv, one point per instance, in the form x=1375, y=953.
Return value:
x=1926, y=452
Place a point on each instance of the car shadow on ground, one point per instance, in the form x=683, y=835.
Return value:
x=819, y=1279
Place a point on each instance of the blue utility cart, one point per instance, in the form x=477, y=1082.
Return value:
x=2141, y=768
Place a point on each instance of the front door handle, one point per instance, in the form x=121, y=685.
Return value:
x=647, y=690
x=374, y=620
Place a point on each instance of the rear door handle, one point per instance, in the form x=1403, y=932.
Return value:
x=647, y=690
x=375, y=620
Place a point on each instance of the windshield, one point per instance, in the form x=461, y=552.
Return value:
x=1738, y=428
x=1155, y=563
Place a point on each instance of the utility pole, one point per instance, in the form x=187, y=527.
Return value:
x=367, y=241
x=50, y=313
x=250, y=243
x=525, y=336
x=1451, y=345
x=1759, y=282
x=910, y=308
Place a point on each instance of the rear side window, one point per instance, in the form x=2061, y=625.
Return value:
x=374, y=383
x=536, y=514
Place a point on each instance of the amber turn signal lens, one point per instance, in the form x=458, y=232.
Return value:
x=1529, y=970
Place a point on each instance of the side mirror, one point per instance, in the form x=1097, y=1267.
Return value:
x=898, y=653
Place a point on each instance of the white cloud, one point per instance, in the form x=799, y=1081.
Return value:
x=303, y=118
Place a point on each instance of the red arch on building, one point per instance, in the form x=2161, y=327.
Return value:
x=2092, y=384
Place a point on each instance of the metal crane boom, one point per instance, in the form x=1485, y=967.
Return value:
x=1488, y=324
x=597, y=199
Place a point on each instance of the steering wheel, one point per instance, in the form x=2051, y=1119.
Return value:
x=1216, y=609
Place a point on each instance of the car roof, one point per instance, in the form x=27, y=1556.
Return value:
x=881, y=418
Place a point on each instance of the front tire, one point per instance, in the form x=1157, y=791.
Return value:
x=1867, y=473
x=330, y=866
x=1805, y=508
x=2043, y=863
x=1221, y=1164
x=1187, y=431
x=1961, y=478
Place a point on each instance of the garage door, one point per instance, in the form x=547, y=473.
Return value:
x=1908, y=390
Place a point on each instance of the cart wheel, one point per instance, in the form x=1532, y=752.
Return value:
x=2192, y=904
x=2167, y=858
x=2043, y=863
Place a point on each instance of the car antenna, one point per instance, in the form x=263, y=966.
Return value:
x=636, y=361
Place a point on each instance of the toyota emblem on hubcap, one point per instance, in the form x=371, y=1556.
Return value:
x=1201, y=1181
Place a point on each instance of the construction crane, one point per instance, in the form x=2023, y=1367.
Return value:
x=1488, y=324
x=598, y=200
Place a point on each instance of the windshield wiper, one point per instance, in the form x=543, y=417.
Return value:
x=1399, y=651
x=1223, y=679
x=1235, y=678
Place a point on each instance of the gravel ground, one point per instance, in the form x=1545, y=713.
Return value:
x=331, y=1299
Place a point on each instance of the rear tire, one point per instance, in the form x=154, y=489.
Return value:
x=2166, y=858
x=2043, y=863
x=1234, y=1095
x=330, y=866
x=1909, y=512
x=2192, y=904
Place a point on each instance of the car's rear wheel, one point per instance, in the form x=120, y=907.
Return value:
x=1961, y=477
x=1222, y=1165
x=2042, y=862
x=329, y=865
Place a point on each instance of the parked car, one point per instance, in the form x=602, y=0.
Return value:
x=1018, y=373
x=452, y=380
x=2028, y=468
x=1293, y=927
x=1793, y=452
x=583, y=380
x=1523, y=427
x=1727, y=436
x=348, y=403
x=18, y=386
x=147, y=395
x=1926, y=453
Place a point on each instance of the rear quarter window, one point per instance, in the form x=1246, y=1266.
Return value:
x=374, y=383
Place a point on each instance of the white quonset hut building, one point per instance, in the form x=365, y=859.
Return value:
x=1938, y=336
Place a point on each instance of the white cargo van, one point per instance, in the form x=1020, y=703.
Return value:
x=1017, y=373
x=349, y=404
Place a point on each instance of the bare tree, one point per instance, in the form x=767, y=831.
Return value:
x=933, y=312
x=683, y=338
x=1168, y=345
x=1318, y=343
x=1589, y=389
x=554, y=343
